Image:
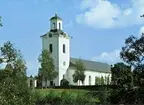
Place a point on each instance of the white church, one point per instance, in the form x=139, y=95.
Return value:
x=58, y=43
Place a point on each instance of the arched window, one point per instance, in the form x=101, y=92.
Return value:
x=59, y=26
x=89, y=80
x=50, y=48
x=95, y=80
x=63, y=48
x=53, y=25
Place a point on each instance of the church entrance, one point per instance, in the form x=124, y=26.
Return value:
x=31, y=83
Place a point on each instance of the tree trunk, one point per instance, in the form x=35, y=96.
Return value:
x=50, y=84
x=46, y=83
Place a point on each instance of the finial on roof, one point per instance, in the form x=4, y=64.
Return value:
x=55, y=14
x=55, y=17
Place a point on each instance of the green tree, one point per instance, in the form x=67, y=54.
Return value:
x=13, y=81
x=0, y=21
x=122, y=75
x=39, y=80
x=47, y=69
x=102, y=80
x=133, y=54
x=79, y=72
x=108, y=79
x=142, y=15
x=97, y=80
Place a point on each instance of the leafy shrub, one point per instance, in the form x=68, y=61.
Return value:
x=64, y=83
x=65, y=97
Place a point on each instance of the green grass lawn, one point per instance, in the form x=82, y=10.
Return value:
x=66, y=93
x=45, y=92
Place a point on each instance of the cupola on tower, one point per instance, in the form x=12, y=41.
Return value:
x=56, y=23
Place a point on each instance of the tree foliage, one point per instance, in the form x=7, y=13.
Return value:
x=133, y=54
x=129, y=78
x=97, y=81
x=13, y=81
x=121, y=75
x=107, y=79
x=133, y=51
x=102, y=80
x=0, y=21
x=47, y=69
x=142, y=15
x=79, y=72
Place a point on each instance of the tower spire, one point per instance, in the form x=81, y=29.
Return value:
x=56, y=13
x=56, y=22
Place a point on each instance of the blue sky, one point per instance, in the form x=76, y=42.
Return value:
x=98, y=27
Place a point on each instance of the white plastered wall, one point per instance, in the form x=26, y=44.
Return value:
x=88, y=73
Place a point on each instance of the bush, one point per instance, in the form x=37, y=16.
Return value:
x=91, y=88
x=65, y=98
x=64, y=83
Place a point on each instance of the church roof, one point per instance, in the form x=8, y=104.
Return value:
x=55, y=17
x=92, y=65
x=56, y=32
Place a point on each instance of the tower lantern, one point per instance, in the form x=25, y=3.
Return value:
x=56, y=23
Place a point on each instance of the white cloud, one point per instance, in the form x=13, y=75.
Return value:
x=141, y=30
x=105, y=14
x=108, y=57
x=69, y=24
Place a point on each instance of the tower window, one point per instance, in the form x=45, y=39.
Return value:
x=53, y=25
x=50, y=48
x=50, y=35
x=64, y=63
x=59, y=26
x=63, y=48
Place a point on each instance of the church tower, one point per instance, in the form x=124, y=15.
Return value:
x=58, y=43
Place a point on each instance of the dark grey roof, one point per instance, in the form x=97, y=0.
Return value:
x=55, y=17
x=56, y=32
x=92, y=65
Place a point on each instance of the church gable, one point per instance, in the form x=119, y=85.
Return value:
x=91, y=65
